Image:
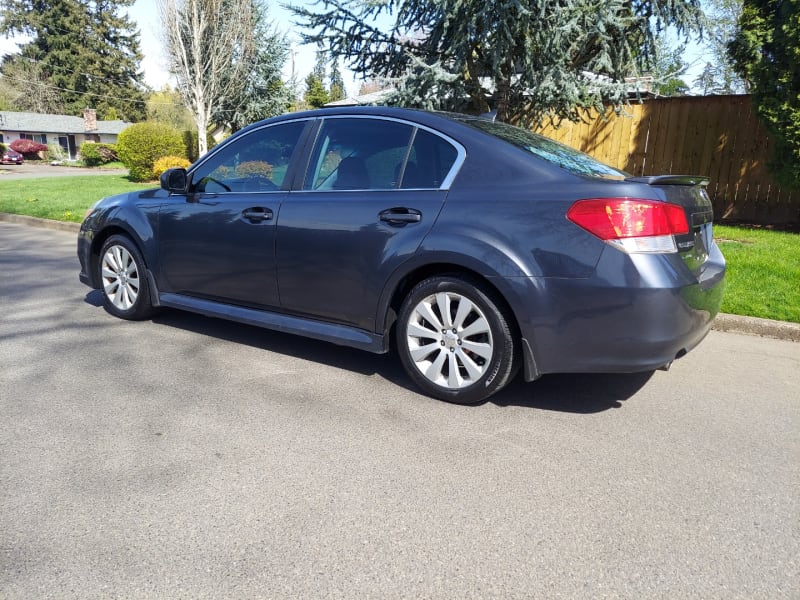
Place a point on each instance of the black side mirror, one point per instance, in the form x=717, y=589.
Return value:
x=174, y=180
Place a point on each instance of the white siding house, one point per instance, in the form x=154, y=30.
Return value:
x=66, y=131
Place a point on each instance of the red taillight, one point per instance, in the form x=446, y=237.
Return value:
x=619, y=218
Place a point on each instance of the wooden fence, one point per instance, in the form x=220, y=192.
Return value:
x=717, y=136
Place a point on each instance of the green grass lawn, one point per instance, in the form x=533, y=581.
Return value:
x=61, y=198
x=763, y=266
x=763, y=278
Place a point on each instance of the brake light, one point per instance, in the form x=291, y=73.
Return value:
x=631, y=224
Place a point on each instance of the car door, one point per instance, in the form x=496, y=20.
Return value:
x=373, y=189
x=218, y=241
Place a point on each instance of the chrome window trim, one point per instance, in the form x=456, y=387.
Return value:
x=446, y=182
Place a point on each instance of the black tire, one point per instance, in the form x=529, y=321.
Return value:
x=123, y=279
x=465, y=356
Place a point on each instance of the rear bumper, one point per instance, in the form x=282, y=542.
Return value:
x=622, y=320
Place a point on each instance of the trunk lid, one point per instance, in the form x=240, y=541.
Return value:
x=690, y=193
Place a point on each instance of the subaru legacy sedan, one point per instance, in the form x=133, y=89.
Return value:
x=476, y=249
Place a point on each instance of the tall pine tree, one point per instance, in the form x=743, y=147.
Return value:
x=316, y=95
x=527, y=59
x=85, y=52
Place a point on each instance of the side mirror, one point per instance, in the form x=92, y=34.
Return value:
x=174, y=180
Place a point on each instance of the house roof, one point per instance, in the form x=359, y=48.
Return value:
x=42, y=123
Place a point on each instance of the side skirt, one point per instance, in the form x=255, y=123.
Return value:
x=318, y=330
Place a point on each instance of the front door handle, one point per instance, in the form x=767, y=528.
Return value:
x=257, y=214
x=400, y=216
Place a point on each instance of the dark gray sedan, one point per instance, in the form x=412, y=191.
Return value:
x=477, y=247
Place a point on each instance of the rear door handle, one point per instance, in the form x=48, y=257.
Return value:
x=257, y=214
x=400, y=216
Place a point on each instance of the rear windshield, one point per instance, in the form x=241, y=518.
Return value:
x=558, y=154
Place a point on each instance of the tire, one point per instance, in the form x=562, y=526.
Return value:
x=123, y=279
x=454, y=340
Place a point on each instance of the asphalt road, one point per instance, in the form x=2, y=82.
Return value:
x=189, y=457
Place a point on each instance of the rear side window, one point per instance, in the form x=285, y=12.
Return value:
x=377, y=154
x=429, y=162
x=563, y=156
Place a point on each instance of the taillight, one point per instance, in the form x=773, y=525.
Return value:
x=631, y=224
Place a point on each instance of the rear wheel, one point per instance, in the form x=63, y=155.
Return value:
x=454, y=339
x=122, y=275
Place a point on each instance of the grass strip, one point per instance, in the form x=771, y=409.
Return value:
x=61, y=198
x=763, y=277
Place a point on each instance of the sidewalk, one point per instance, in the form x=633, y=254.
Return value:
x=780, y=330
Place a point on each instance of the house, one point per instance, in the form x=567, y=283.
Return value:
x=66, y=131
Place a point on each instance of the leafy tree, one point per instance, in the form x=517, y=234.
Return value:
x=84, y=51
x=766, y=53
x=211, y=45
x=264, y=94
x=166, y=106
x=26, y=88
x=525, y=58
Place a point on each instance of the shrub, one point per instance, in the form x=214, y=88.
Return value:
x=56, y=152
x=2, y=148
x=95, y=154
x=169, y=162
x=141, y=144
x=252, y=168
x=28, y=148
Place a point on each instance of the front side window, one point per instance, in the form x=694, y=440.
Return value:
x=256, y=162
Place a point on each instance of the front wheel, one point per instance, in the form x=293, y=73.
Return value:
x=454, y=340
x=126, y=293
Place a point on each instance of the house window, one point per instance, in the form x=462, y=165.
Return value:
x=35, y=137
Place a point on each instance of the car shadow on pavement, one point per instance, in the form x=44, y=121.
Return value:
x=582, y=393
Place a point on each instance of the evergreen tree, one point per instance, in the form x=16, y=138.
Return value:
x=264, y=94
x=667, y=66
x=528, y=59
x=337, y=90
x=719, y=76
x=766, y=53
x=85, y=51
x=316, y=95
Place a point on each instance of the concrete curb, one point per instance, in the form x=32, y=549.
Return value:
x=779, y=330
x=724, y=322
x=41, y=223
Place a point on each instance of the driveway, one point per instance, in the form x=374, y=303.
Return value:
x=191, y=457
x=35, y=170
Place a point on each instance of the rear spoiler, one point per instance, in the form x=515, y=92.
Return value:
x=671, y=180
